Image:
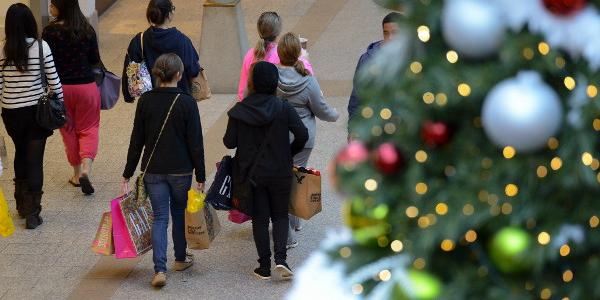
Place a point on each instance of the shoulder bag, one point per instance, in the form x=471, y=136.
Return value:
x=200, y=89
x=138, y=75
x=51, y=113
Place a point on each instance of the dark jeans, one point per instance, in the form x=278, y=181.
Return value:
x=30, y=143
x=271, y=202
x=167, y=192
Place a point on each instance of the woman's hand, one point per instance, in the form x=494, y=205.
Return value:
x=200, y=186
x=125, y=186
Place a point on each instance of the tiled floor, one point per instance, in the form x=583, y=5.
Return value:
x=55, y=262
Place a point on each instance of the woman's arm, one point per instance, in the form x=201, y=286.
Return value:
x=195, y=140
x=318, y=105
x=136, y=143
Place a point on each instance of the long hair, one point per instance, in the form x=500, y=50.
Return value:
x=158, y=11
x=269, y=28
x=20, y=24
x=72, y=19
x=289, y=50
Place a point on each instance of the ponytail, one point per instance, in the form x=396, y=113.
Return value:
x=269, y=28
x=299, y=66
x=289, y=51
x=260, y=50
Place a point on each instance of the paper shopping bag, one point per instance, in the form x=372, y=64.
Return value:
x=201, y=227
x=132, y=225
x=103, y=242
x=305, y=201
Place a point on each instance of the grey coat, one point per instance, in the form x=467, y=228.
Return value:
x=304, y=94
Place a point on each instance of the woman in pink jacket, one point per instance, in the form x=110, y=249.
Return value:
x=269, y=28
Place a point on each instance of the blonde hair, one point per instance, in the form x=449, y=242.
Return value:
x=269, y=28
x=289, y=51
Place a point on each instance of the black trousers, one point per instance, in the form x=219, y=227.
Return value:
x=30, y=144
x=271, y=203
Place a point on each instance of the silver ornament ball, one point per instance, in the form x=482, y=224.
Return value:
x=522, y=112
x=474, y=28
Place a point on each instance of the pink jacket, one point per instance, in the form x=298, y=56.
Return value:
x=271, y=56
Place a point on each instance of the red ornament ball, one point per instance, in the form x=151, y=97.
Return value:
x=435, y=134
x=388, y=158
x=564, y=7
x=352, y=155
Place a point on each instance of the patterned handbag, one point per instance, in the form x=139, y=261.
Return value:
x=138, y=75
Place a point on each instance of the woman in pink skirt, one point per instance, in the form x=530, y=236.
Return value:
x=75, y=46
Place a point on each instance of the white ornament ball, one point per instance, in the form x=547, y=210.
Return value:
x=522, y=112
x=474, y=28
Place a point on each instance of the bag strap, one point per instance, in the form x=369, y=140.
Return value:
x=142, y=44
x=42, y=66
x=159, y=135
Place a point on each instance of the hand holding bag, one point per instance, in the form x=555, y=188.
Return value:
x=51, y=113
x=132, y=213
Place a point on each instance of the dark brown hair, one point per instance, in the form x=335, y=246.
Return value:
x=69, y=13
x=166, y=67
x=159, y=11
x=289, y=50
x=269, y=28
x=20, y=24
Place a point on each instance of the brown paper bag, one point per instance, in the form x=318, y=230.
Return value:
x=201, y=227
x=305, y=200
x=103, y=242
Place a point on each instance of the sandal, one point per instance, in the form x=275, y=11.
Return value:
x=71, y=182
x=86, y=185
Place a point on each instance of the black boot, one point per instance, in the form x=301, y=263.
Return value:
x=32, y=207
x=20, y=187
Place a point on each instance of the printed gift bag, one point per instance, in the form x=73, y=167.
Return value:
x=132, y=225
x=103, y=242
x=201, y=227
x=305, y=200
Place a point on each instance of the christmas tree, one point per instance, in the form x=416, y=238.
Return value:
x=475, y=170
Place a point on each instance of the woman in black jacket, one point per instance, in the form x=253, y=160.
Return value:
x=167, y=120
x=263, y=118
x=158, y=39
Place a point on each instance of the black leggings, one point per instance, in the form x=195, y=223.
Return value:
x=29, y=163
x=271, y=201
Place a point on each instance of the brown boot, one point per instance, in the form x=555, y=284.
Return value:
x=20, y=188
x=32, y=207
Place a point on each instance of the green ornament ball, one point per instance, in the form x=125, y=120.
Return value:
x=508, y=250
x=422, y=286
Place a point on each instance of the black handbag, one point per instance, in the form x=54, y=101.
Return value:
x=51, y=113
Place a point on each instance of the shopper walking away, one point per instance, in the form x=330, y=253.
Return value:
x=304, y=94
x=20, y=90
x=167, y=126
x=258, y=129
x=269, y=28
x=75, y=46
x=161, y=38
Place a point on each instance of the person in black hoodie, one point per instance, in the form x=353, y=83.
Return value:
x=263, y=118
x=159, y=39
x=167, y=126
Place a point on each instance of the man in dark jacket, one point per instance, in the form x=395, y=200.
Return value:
x=390, y=27
x=259, y=128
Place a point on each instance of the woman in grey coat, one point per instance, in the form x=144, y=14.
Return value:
x=303, y=92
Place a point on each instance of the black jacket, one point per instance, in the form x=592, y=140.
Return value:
x=158, y=41
x=180, y=149
x=249, y=123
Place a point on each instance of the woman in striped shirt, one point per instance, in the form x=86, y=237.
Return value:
x=20, y=89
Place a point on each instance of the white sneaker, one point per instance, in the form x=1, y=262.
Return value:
x=284, y=272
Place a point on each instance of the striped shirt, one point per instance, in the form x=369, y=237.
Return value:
x=22, y=89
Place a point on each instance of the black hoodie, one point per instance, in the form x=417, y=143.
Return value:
x=264, y=117
x=158, y=41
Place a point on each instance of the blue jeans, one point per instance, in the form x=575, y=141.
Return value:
x=167, y=191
